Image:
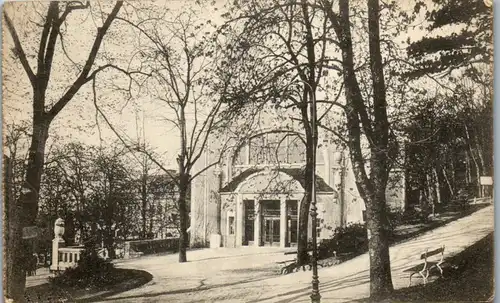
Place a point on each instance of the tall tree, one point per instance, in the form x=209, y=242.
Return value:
x=289, y=42
x=368, y=118
x=44, y=112
x=180, y=59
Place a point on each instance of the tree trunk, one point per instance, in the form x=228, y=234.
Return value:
x=219, y=206
x=183, y=216
x=144, y=200
x=450, y=187
x=437, y=186
x=378, y=245
x=24, y=212
x=302, y=241
x=109, y=240
x=431, y=190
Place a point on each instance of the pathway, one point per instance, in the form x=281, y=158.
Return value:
x=248, y=274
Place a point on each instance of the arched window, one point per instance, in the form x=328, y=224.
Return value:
x=271, y=148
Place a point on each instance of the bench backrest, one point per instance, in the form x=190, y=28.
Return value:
x=428, y=253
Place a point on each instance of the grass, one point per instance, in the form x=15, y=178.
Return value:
x=468, y=277
x=408, y=231
x=125, y=279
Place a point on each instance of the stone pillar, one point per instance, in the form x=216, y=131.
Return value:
x=283, y=222
x=216, y=238
x=256, y=223
x=239, y=221
x=57, y=242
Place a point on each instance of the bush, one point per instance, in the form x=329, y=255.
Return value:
x=91, y=271
x=349, y=239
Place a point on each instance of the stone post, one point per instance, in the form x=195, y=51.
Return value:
x=216, y=238
x=57, y=242
x=256, y=227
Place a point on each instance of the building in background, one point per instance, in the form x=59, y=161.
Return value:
x=253, y=198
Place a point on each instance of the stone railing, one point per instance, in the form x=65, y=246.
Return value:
x=66, y=257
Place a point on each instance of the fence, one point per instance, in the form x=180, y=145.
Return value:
x=67, y=257
x=146, y=247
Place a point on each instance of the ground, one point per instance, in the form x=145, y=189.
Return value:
x=249, y=274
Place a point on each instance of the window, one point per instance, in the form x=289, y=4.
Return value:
x=272, y=149
x=231, y=225
x=296, y=150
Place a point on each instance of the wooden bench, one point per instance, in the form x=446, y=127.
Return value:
x=291, y=265
x=424, y=269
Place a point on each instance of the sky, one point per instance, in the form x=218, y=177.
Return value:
x=137, y=119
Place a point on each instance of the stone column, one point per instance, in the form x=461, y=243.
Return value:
x=57, y=242
x=283, y=222
x=239, y=221
x=216, y=238
x=256, y=223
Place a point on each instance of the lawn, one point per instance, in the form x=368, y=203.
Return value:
x=468, y=277
x=125, y=279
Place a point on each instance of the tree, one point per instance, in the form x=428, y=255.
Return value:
x=180, y=59
x=368, y=118
x=449, y=50
x=112, y=202
x=284, y=46
x=44, y=112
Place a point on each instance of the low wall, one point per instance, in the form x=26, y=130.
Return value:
x=146, y=247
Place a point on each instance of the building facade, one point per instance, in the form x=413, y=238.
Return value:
x=253, y=198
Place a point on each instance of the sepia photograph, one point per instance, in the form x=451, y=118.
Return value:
x=248, y=151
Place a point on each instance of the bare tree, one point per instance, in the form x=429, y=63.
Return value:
x=179, y=54
x=44, y=112
x=375, y=128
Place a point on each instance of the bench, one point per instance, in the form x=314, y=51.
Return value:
x=291, y=265
x=424, y=269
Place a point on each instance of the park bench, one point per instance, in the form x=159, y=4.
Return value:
x=289, y=266
x=423, y=269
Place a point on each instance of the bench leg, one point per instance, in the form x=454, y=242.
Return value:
x=411, y=275
x=440, y=269
x=424, y=276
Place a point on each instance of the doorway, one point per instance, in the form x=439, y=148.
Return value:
x=271, y=231
x=270, y=222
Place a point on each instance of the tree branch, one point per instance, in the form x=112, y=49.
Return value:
x=83, y=78
x=19, y=49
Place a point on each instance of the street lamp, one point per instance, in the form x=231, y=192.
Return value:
x=315, y=296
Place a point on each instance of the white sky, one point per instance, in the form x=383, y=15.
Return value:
x=77, y=120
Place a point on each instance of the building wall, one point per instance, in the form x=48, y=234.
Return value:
x=334, y=167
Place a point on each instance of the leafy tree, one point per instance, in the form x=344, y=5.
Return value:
x=112, y=202
x=459, y=35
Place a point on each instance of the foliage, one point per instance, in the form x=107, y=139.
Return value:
x=349, y=239
x=450, y=48
x=91, y=271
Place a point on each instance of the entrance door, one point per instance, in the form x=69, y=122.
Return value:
x=271, y=231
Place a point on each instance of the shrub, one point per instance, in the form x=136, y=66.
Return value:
x=351, y=238
x=91, y=271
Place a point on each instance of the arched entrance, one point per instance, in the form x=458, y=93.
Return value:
x=269, y=204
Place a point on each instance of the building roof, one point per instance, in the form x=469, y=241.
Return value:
x=295, y=173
